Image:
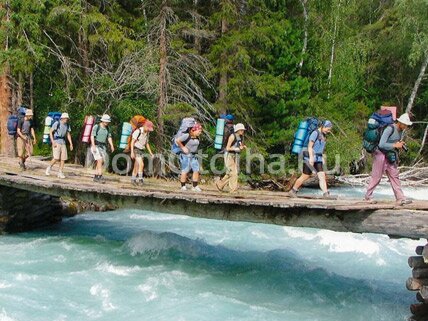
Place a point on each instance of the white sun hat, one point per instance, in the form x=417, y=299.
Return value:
x=238, y=127
x=106, y=119
x=405, y=119
x=65, y=115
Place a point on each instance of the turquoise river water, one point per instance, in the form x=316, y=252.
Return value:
x=135, y=265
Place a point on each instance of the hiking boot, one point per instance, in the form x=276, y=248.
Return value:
x=183, y=188
x=404, y=202
x=218, y=186
x=61, y=175
x=196, y=189
x=292, y=193
x=134, y=181
x=96, y=179
x=48, y=171
x=22, y=165
x=140, y=182
x=370, y=201
x=101, y=180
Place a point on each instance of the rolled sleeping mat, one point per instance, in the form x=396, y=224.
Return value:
x=87, y=130
x=126, y=132
x=219, y=133
x=47, y=129
x=300, y=137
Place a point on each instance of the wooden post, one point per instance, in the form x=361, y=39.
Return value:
x=7, y=146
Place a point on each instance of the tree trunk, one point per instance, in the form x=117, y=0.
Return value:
x=7, y=146
x=83, y=42
x=417, y=84
x=305, y=39
x=222, y=91
x=333, y=50
x=163, y=85
x=31, y=89
x=197, y=21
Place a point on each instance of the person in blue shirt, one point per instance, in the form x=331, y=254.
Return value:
x=314, y=159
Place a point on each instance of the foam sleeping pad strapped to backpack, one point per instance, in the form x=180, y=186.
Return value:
x=13, y=120
x=125, y=135
x=88, y=124
x=186, y=125
x=49, y=121
x=304, y=131
x=219, y=134
x=376, y=124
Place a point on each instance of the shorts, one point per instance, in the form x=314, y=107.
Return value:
x=60, y=152
x=24, y=147
x=189, y=163
x=309, y=170
x=139, y=153
x=100, y=153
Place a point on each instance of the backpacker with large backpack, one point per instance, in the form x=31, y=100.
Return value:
x=186, y=124
x=128, y=129
x=13, y=120
x=376, y=124
x=52, y=118
x=224, y=128
x=302, y=134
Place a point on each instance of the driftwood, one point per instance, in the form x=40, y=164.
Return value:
x=285, y=184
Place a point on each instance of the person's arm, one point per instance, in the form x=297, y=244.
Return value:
x=311, y=152
x=19, y=131
x=94, y=129
x=180, y=144
x=383, y=142
x=110, y=140
x=229, y=147
x=70, y=141
x=33, y=134
x=149, y=149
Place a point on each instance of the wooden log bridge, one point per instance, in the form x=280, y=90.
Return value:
x=343, y=215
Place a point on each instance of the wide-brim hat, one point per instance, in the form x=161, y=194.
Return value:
x=65, y=116
x=238, y=127
x=149, y=126
x=106, y=119
x=29, y=112
x=405, y=119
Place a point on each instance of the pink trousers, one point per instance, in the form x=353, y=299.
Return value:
x=381, y=166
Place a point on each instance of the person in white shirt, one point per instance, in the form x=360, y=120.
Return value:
x=139, y=144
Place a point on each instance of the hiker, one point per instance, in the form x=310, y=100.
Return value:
x=60, y=130
x=139, y=143
x=189, y=145
x=232, y=150
x=314, y=159
x=385, y=160
x=99, y=138
x=26, y=138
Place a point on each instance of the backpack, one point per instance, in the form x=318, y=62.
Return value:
x=51, y=119
x=302, y=134
x=67, y=125
x=186, y=125
x=376, y=125
x=136, y=122
x=13, y=120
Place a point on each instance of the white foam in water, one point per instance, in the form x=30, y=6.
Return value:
x=5, y=317
x=99, y=291
x=118, y=270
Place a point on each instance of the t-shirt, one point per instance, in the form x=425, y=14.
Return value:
x=25, y=126
x=60, y=132
x=141, y=137
x=319, y=144
x=192, y=144
x=103, y=134
x=390, y=136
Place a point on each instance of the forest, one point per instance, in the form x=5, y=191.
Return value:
x=271, y=63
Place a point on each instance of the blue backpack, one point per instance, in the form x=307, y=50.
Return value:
x=301, y=137
x=185, y=126
x=377, y=123
x=13, y=120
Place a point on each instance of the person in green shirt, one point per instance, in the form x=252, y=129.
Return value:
x=99, y=138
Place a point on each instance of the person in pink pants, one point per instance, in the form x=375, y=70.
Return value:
x=390, y=142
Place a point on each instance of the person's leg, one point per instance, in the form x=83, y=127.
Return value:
x=299, y=182
x=322, y=178
x=196, y=174
x=225, y=180
x=233, y=181
x=376, y=174
x=393, y=175
x=185, y=169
